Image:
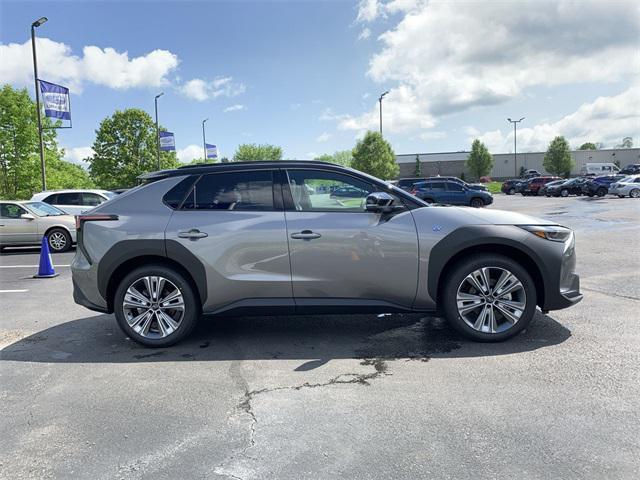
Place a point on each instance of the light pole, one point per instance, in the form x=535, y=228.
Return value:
x=155, y=101
x=35, y=25
x=204, y=141
x=380, y=102
x=515, y=144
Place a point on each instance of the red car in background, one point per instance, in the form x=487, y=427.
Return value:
x=534, y=185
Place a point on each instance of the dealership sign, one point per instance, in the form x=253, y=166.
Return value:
x=212, y=150
x=167, y=141
x=56, y=100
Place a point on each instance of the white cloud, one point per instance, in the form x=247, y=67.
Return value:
x=78, y=155
x=234, y=108
x=364, y=34
x=323, y=137
x=446, y=57
x=108, y=67
x=368, y=10
x=433, y=135
x=201, y=90
x=189, y=153
x=606, y=120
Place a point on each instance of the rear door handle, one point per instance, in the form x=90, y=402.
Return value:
x=305, y=235
x=193, y=234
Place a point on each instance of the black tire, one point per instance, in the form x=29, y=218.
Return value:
x=192, y=307
x=459, y=272
x=635, y=193
x=620, y=196
x=428, y=200
x=59, y=240
x=564, y=192
x=512, y=191
x=601, y=192
x=476, y=202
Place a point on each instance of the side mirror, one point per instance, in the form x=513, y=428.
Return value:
x=27, y=216
x=381, y=202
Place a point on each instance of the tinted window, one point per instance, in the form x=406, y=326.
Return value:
x=232, y=191
x=436, y=186
x=11, y=210
x=455, y=187
x=68, y=199
x=92, y=199
x=51, y=199
x=318, y=190
x=174, y=197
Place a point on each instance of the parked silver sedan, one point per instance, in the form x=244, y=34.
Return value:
x=25, y=223
x=627, y=187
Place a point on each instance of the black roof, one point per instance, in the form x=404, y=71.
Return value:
x=201, y=168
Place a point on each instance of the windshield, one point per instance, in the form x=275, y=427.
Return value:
x=110, y=195
x=44, y=209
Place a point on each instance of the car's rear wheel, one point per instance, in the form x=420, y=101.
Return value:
x=635, y=193
x=156, y=306
x=511, y=191
x=489, y=297
x=59, y=240
x=477, y=202
x=601, y=192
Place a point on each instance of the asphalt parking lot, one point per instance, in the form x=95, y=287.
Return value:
x=397, y=397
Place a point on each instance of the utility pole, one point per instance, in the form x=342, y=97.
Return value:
x=34, y=25
x=515, y=144
x=380, y=101
x=204, y=141
x=157, y=127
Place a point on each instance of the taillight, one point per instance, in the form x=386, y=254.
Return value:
x=414, y=191
x=80, y=219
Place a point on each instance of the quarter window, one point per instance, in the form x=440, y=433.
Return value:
x=91, y=199
x=251, y=190
x=321, y=191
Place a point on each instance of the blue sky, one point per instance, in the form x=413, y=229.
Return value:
x=305, y=75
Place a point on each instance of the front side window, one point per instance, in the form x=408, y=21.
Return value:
x=250, y=190
x=11, y=210
x=318, y=190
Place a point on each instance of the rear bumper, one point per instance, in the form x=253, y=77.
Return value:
x=80, y=298
x=85, y=284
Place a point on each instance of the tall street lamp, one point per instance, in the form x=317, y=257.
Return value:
x=35, y=25
x=380, y=101
x=204, y=141
x=515, y=144
x=157, y=127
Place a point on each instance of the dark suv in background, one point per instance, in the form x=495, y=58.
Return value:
x=451, y=193
x=599, y=186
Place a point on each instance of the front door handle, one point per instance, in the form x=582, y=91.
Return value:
x=305, y=235
x=192, y=234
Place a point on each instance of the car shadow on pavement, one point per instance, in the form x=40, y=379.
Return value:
x=316, y=339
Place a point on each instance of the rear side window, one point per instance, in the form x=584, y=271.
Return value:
x=454, y=187
x=51, y=199
x=92, y=199
x=68, y=199
x=436, y=186
x=252, y=190
x=174, y=197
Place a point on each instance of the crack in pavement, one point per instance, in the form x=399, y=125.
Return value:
x=379, y=365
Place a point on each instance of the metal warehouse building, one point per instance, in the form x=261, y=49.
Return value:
x=453, y=163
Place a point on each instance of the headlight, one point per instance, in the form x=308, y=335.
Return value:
x=555, y=233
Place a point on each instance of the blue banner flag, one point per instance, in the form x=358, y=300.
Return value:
x=167, y=141
x=212, y=150
x=56, y=100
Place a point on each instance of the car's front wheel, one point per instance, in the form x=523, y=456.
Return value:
x=635, y=193
x=477, y=202
x=156, y=306
x=601, y=192
x=564, y=192
x=489, y=297
x=511, y=191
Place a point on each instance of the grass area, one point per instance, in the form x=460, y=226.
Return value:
x=494, y=187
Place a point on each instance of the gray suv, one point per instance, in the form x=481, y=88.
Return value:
x=274, y=238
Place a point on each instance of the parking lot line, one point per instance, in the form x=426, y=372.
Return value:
x=29, y=266
x=13, y=291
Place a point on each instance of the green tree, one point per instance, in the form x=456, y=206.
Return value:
x=20, y=175
x=417, y=169
x=479, y=161
x=588, y=146
x=557, y=160
x=373, y=155
x=252, y=152
x=343, y=158
x=125, y=147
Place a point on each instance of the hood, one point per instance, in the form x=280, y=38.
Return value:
x=483, y=216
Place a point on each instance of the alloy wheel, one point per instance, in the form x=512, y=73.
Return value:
x=491, y=299
x=57, y=241
x=635, y=193
x=153, y=307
